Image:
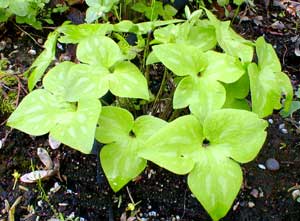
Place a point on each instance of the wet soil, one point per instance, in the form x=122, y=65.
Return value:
x=84, y=194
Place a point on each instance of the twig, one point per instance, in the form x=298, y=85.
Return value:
x=29, y=35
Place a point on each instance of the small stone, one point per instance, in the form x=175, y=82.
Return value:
x=296, y=194
x=40, y=41
x=281, y=126
x=272, y=164
x=270, y=121
x=251, y=204
x=261, y=166
x=254, y=193
x=2, y=45
x=284, y=131
x=32, y=52
x=152, y=213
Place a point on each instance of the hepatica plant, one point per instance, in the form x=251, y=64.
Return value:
x=226, y=92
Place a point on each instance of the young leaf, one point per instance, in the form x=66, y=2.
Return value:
x=125, y=139
x=201, y=90
x=75, y=81
x=39, y=66
x=209, y=153
x=99, y=50
x=41, y=112
x=128, y=81
x=123, y=78
x=231, y=42
x=77, y=129
x=236, y=93
x=171, y=55
x=173, y=146
x=36, y=114
x=120, y=163
x=215, y=182
x=76, y=33
x=267, y=82
x=118, y=120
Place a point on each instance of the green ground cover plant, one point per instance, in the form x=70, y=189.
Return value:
x=31, y=12
x=226, y=92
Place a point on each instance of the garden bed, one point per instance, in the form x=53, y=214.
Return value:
x=81, y=190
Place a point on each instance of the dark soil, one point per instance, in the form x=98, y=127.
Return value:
x=265, y=194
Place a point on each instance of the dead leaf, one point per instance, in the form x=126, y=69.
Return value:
x=45, y=158
x=34, y=176
x=54, y=144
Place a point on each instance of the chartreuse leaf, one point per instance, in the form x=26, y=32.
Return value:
x=41, y=63
x=128, y=81
x=104, y=57
x=4, y=3
x=173, y=146
x=97, y=9
x=229, y=41
x=35, y=115
x=209, y=153
x=124, y=139
x=75, y=81
x=77, y=129
x=41, y=112
x=19, y=7
x=99, y=50
x=201, y=34
x=215, y=182
x=76, y=33
x=236, y=93
x=118, y=120
x=267, y=82
x=200, y=89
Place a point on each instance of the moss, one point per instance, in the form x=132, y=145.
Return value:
x=8, y=79
x=7, y=104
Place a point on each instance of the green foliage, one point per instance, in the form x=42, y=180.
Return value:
x=124, y=139
x=98, y=8
x=267, y=82
x=209, y=152
x=31, y=12
x=154, y=10
x=215, y=85
x=39, y=66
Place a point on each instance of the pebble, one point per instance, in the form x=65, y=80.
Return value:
x=2, y=45
x=271, y=121
x=254, y=193
x=281, y=126
x=32, y=52
x=261, y=166
x=296, y=194
x=284, y=131
x=251, y=204
x=272, y=164
x=152, y=213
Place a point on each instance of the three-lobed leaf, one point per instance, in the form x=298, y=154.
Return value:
x=209, y=152
x=73, y=124
x=124, y=139
x=267, y=82
x=200, y=89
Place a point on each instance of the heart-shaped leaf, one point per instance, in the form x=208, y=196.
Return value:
x=267, y=82
x=208, y=152
x=41, y=112
x=75, y=81
x=125, y=139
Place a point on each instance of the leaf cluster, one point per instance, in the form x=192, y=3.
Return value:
x=224, y=127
